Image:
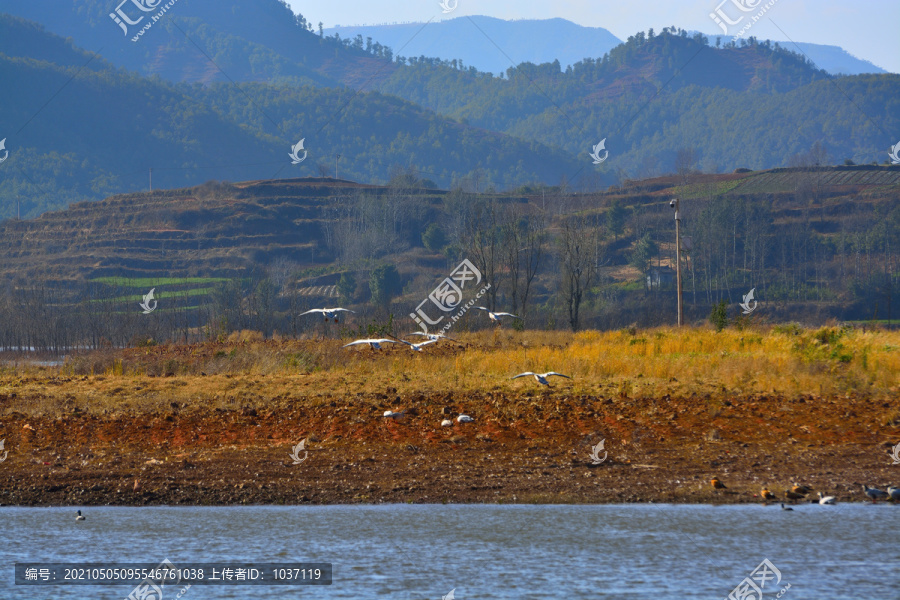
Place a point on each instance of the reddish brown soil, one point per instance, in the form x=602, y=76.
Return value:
x=527, y=448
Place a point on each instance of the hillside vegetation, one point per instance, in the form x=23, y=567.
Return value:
x=213, y=94
x=813, y=243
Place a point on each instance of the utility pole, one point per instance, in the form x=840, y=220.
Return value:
x=336, y=157
x=676, y=205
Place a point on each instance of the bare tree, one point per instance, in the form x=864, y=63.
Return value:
x=483, y=242
x=523, y=241
x=579, y=248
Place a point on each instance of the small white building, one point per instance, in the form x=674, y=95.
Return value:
x=660, y=277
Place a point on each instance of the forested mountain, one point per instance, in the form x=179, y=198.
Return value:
x=102, y=130
x=474, y=40
x=832, y=59
x=752, y=104
x=241, y=82
x=250, y=40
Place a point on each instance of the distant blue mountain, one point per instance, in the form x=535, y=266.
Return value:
x=494, y=45
x=832, y=59
x=489, y=44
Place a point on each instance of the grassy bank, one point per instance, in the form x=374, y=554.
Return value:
x=785, y=361
x=215, y=423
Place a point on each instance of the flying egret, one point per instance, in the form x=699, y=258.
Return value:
x=328, y=313
x=418, y=347
x=495, y=316
x=434, y=336
x=874, y=493
x=464, y=419
x=541, y=378
x=826, y=499
x=80, y=516
x=374, y=344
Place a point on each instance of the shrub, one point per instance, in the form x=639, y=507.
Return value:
x=719, y=315
x=433, y=238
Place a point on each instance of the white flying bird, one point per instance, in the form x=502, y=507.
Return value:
x=328, y=313
x=374, y=344
x=495, y=316
x=434, y=336
x=418, y=347
x=464, y=419
x=541, y=378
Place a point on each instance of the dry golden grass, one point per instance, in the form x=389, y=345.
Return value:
x=649, y=363
x=787, y=361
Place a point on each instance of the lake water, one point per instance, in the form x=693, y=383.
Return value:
x=522, y=552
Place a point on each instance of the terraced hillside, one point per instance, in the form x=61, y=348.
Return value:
x=814, y=244
x=213, y=230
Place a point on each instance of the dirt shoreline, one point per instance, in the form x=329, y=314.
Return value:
x=525, y=448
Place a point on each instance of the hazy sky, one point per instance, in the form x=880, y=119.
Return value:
x=868, y=29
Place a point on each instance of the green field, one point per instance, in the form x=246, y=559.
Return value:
x=142, y=282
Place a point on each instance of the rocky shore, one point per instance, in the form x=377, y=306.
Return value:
x=534, y=447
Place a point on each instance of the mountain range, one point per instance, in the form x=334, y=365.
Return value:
x=494, y=45
x=224, y=91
